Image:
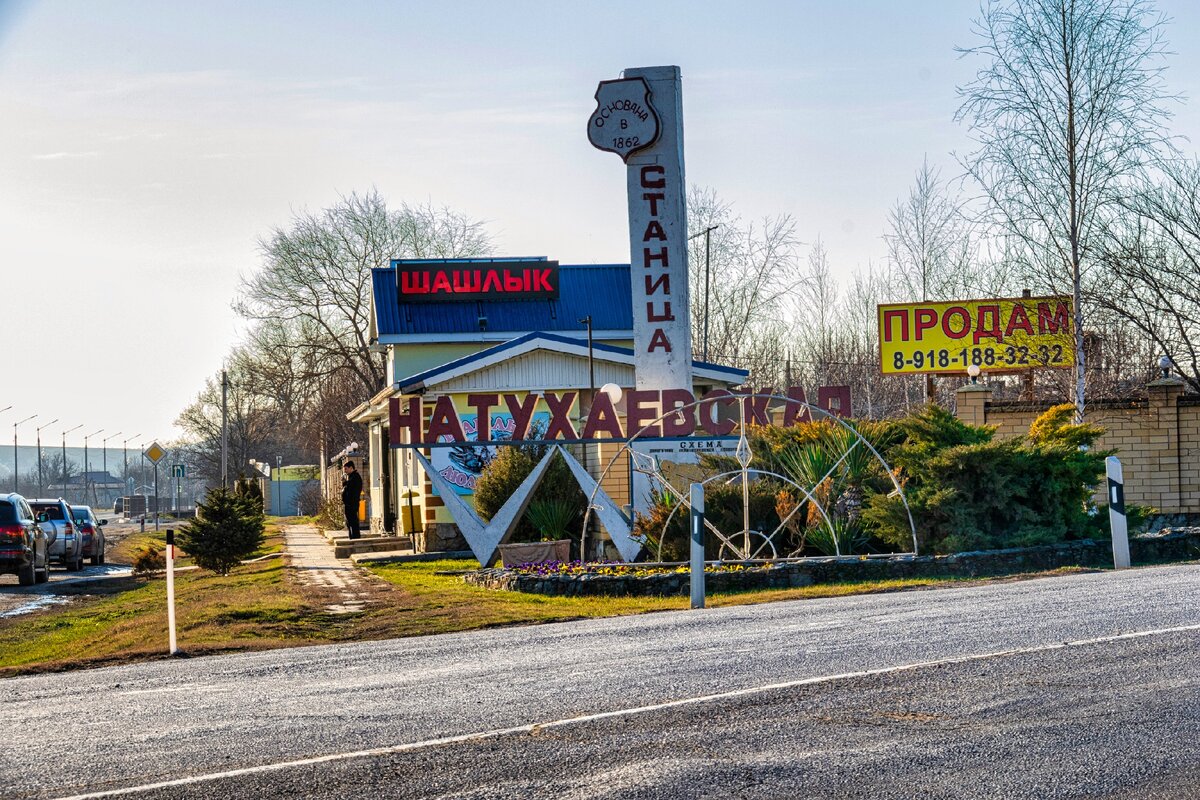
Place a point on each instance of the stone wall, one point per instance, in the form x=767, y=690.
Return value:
x=439, y=537
x=1170, y=544
x=1156, y=437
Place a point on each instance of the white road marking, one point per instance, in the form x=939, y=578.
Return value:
x=623, y=712
x=179, y=687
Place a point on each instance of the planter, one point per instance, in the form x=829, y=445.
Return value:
x=535, y=552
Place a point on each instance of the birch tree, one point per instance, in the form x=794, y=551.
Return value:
x=1068, y=105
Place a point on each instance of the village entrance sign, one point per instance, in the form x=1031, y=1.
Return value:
x=640, y=118
x=671, y=416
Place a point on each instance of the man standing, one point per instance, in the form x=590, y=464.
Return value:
x=351, y=491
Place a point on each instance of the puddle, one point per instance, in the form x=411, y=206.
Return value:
x=35, y=605
x=107, y=570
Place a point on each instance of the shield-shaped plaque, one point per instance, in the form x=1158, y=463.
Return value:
x=624, y=120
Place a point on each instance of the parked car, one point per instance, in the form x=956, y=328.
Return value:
x=66, y=547
x=23, y=548
x=91, y=530
x=119, y=505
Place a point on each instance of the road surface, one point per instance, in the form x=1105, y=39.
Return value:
x=1075, y=686
x=16, y=600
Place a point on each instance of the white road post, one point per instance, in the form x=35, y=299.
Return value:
x=1116, y=512
x=697, y=550
x=171, y=588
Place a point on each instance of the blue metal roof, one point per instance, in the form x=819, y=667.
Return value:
x=601, y=290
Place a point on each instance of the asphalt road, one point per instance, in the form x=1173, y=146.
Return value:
x=16, y=599
x=964, y=692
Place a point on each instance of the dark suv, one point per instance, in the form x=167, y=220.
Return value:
x=23, y=549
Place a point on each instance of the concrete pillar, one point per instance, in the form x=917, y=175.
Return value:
x=970, y=403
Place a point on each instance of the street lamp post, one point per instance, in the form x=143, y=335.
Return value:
x=41, y=477
x=64, y=454
x=125, y=452
x=707, y=255
x=16, y=474
x=104, y=442
x=87, y=464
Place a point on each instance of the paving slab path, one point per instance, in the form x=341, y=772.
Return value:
x=311, y=555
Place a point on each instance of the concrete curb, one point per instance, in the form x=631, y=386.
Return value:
x=405, y=557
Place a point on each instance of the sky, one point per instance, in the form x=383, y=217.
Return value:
x=147, y=147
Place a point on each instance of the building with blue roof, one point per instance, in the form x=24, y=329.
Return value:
x=468, y=343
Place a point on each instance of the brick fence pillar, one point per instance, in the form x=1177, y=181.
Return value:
x=1164, y=432
x=970, y=403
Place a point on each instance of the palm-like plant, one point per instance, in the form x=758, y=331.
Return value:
x=551, y=517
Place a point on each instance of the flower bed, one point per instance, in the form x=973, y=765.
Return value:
x=615, y=579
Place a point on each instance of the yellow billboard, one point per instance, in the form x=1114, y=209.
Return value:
x=1006, y=335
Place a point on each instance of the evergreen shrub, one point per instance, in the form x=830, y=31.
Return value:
x=228, y=527
x=968, y=491
x=512, y=465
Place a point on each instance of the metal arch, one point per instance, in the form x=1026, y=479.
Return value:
x=724, y=539
x=741, y=398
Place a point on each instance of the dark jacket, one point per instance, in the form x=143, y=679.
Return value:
x=351, y=490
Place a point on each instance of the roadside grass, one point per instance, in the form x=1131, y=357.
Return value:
x=442, y=603
x=262, y=605
x=122, y=552
x=119, y=620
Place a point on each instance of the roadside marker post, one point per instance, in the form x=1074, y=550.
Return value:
x=697, y=550
x=1116, y=512
x=171, y=588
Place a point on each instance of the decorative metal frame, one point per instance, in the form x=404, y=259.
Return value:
x=745, y=457
x=485, y=538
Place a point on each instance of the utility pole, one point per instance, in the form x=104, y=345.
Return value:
x=591, y=362
x=125, y=474
x=64, y=455
x=87, y=463
x=706, y=233
x=224, y=429
x=584, y=412
x=15, y=473
x=41, y=476
x=107, y=497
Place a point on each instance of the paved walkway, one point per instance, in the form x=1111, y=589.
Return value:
x=312, y=556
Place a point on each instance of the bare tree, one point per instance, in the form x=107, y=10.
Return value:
x=1067, y=107
x=1153, y=262
x=753, y=269
x=307, y=359
x=929, y=241
x=254, y=425
x=313, y=294
x=815, y=309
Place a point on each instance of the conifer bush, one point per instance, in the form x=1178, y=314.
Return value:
x=228, y=527
x=968, y=491
x=250, y=490
x=512, y=465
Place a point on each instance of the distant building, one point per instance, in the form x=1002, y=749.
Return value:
x=100, y=488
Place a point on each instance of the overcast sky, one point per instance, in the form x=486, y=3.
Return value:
x=146, y=146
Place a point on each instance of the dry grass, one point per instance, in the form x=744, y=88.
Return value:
x=263, y=605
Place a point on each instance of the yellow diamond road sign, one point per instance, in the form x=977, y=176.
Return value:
x=155, y=452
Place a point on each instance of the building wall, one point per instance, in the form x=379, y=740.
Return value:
x=1157, y=439
x=411, y=359
x=556, y=371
